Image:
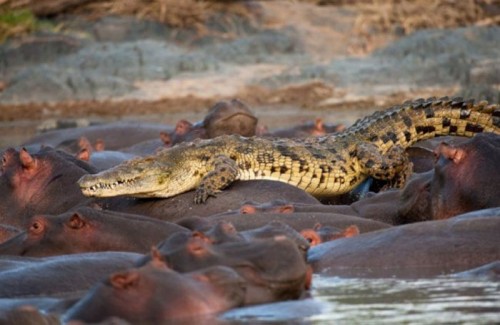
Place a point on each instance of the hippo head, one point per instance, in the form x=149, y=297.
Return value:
x=41, y=182
x=466, y=176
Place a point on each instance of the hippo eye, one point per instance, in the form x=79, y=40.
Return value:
x=36, y=227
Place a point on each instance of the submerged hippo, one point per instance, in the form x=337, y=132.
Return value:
x=273, y=268
x=416, y=250
x=155, y=293
x=88, y=230
x=58, y=276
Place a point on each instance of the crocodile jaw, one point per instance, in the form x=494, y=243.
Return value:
x=137, y=178
x=101, y=185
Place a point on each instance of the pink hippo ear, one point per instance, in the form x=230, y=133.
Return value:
x=84, y=143
x=7, y=158
x=319, y=127
x=166, y=139
x=27, y=161
x=248, y=209
x=351, y=231
x=227, y=227
x=287, y=208
x=197, y=246
x=182, y=127
x=311, y=236
x=84, y=154
x=157, y=259
x=76, y=221
x=99, y=145
x=449, y=152
x=125, y=280
x=200, y=235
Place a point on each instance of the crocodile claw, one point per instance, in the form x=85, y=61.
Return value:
x=201, y=195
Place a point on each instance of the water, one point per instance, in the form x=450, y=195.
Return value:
x=384, y=301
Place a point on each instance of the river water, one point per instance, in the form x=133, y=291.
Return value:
x=384, y=301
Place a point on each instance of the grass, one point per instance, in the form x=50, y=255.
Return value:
x=19, y=22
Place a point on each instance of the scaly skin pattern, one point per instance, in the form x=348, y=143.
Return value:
x=331, y=165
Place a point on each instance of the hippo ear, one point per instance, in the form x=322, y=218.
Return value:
x=157, y=259
x=351, y=231
x=27, y=161
x=201, y=235
x=317, y=226
x=227, y=227
x=287, y=208
x=7, y=157
x=311, y=236
x=318, y=125
x=76, y=221
x=84, y=154
x=84, y=143
x=123, y=281
x=449, y=152
x=99, y=145
x=182, y=127
x=166, y=139
x=247, y=209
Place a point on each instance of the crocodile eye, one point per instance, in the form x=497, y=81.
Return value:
x=36, y=227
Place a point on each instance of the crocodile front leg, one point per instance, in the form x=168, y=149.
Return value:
x=223, y=174
x=394, y=166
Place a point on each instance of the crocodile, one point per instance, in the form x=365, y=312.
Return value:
x=330, y=165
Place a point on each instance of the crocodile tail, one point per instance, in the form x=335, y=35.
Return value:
x=422, y=119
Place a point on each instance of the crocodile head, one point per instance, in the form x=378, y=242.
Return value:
x=141, y=177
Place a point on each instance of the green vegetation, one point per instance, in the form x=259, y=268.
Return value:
x=19, y=22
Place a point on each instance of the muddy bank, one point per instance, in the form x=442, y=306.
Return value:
x=289, y=63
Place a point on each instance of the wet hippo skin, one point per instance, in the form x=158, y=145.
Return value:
x=424, y=249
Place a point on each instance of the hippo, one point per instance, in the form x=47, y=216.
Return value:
x=101, y=159
x=273, y=268
x=116, y=135
x=149, y=147
x=466, y=176
x=35, y=183
x=423, y=249
x=186, y=131
x=395, y=207
x=56, y=276
x=88, y=230
x=224, y=231
x=180, y=206
x=314, y=128
x=298, y=221
x=490, y=272
x=154, y=293
x=422, y=154
x=229, y=117
x=321, y=234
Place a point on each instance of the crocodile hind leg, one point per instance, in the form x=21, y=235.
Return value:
x=394, y=166
x=223, y=174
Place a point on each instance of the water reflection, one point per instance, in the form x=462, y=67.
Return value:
x=431, y=301
x=382, y=301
